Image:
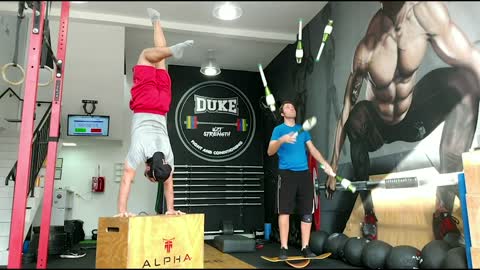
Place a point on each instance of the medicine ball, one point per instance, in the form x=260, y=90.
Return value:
x=317, y=241
x=403, y=257
x=433, y=254
x=375, y=254
x=353, y=250
x=456, y=258
x=335, y=243
x=454, y=239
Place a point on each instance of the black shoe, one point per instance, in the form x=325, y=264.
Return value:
x=283, y=254
x=369, y=226
x=307, y=253
x=444, y=223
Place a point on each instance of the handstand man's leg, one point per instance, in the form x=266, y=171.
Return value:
x=156, y=56
x=159, y=40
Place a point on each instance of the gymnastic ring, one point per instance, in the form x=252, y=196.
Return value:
x=4, y=75
x=51, y=78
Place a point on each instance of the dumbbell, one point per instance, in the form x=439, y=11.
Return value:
x=191, y=122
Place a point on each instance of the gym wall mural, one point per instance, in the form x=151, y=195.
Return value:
x=407, y=97
x=214, y=132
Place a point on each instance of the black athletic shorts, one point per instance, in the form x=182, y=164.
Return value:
x=295, y=192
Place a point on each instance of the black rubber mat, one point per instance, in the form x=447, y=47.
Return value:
x=252, y=258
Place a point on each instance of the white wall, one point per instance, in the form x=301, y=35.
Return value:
x=10, y=106
x=80, y=164
x=94, y=70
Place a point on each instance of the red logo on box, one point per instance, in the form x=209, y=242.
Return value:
x=168, y=244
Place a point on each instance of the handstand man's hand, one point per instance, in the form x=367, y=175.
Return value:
x=124, y=214
x=174, y=212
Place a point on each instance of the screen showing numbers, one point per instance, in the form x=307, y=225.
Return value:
x=88, y=125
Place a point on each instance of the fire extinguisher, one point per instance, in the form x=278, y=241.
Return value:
x=98, y=182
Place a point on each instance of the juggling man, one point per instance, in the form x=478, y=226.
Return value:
x=295, y=187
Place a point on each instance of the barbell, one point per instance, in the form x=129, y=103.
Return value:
x=445, y=179
x=192, y=122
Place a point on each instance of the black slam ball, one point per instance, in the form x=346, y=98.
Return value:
x=433, y=254
x=403, y=257
x=317, y=241
x=353, y=250
x=375, y=254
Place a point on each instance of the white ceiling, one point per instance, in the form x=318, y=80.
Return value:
x=257, y=37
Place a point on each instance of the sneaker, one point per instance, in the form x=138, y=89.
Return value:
x=72, y=255
x=307, y=252
x=443, y=223
x=283, y=254
x=369, y=227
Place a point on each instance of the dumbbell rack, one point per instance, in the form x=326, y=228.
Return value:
x=222, y=189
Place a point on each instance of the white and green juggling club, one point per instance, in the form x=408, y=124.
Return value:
x=326, y=34
x=347, y=184
x=307, y=125
x=299, y=51
x=268, y=95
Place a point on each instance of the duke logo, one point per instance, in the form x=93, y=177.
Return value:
x=215, y=121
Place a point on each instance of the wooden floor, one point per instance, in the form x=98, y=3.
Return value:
x=214, y=258
x=404, y=215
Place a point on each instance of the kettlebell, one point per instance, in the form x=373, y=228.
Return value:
x=94, y=234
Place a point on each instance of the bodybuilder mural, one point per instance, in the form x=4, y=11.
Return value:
x=400, y=106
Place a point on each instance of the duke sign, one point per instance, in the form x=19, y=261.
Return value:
x=215, y=121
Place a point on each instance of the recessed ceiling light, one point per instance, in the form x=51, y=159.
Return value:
x=210, y=71
x=227, y=11
x=69, y=144
x=78, y=2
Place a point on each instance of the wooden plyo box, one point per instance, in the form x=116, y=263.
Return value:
x=404, y=215
x=471, y=167
x=475, y=253
x=473, y=210
x=158, y=241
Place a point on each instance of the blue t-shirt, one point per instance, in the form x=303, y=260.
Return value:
x=292, y=156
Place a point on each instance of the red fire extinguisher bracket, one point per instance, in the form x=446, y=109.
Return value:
x=98, y=182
